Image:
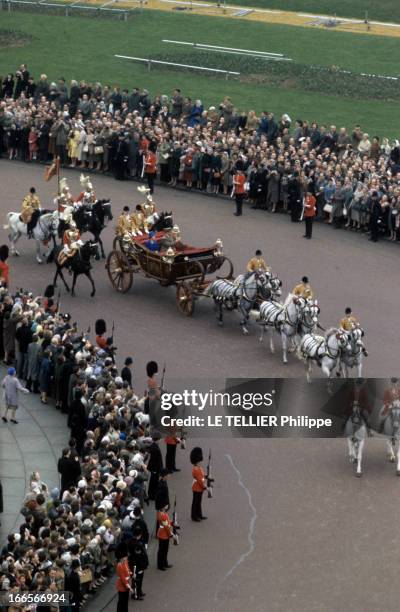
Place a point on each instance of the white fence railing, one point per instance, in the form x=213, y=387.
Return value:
x=150, y=62
x=67, y=9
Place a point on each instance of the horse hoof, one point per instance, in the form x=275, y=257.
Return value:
x=220, y=323
x=359, y=474
x=16, y=253
x=392, y=459
x=39, y=260
x=103, y=256
x=398, y=473
x=245, y=332
x=97, y=257
x=92, y=294
x=273, y=351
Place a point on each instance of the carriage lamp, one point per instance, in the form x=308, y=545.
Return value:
x=169, y=255
x=220, y=247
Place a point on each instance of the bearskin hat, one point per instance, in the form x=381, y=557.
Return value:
x=100, y=327
x=49, y=291
x=196, y=455
x=151, y=368
x=4, y=252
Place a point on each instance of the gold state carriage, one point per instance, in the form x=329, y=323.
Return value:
x=188, y=269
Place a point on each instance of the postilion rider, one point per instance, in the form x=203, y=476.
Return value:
x=304, y=289
x=257, y=263
x=349, y=322
x=71, y=241
x=30, y=205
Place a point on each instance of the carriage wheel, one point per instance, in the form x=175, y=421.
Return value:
x=229, y=275
x=184, y=299
x=119, y=271
x=117, y=243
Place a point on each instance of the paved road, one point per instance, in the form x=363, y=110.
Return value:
x=345, y=269
x=290, y=528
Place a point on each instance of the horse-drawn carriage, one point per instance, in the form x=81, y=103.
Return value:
x=188, y=269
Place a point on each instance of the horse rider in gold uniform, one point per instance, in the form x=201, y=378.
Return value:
x=349, y=321
x=257, y=263
x=30, y=204
x=304, y=289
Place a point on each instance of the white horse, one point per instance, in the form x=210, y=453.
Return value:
x=356, y=429
x=288, y=319
x=45, y=229
x=354, y=357
x=391, y=429
x=326, y=350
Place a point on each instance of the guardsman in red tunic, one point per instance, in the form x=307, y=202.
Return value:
x=150, y=167
x=164, y=534
x=71, y=241
x=171, y=440
x=199, y=484
x=239, y=180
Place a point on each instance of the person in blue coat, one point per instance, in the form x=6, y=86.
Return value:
x=45, y=376
x=152, y=244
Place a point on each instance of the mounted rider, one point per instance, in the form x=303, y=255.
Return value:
x=148, y=208
x=30, y=211
x=257, y=263
x=349, y=323
x=72, y=242
x=304, y=289
x=64, y=199
x=87, y=196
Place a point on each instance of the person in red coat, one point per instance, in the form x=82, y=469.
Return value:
x=4, y=268
x=309, y=205
x=239, y=180
x=123, y=579
x=199, y=484
x=164, y=534
x=150, y=166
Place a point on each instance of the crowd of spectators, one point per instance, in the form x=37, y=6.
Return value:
x=355, y=178
x=71, y=535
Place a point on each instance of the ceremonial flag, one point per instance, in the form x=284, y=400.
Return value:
x=52, y=170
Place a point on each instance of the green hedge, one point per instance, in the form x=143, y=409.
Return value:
x=292, y=75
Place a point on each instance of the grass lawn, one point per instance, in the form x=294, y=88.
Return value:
x=84, y=48
x=378, y=10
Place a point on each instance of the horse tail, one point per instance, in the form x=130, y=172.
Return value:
x=7, y=226
x=51, y=256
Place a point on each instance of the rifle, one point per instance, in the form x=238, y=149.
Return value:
x=209, y=478
x=133, y=583
x=183, y=438
x=175, y=525
x=163, y=376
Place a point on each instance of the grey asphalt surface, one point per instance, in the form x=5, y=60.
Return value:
x=290, y=528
